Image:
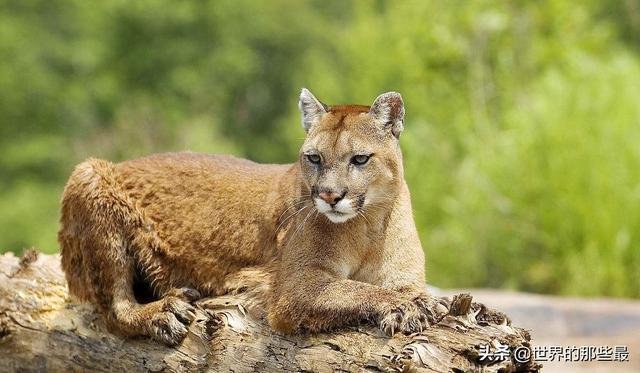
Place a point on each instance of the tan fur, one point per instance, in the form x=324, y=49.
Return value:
x=190, y=224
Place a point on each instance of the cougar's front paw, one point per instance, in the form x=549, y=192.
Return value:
x=433, y=307
x=406, y=318
x=485, y=315
x=170, y=326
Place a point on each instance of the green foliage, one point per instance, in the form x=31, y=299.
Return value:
x=522, y=117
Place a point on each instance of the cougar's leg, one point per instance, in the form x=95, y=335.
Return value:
x=102, y=234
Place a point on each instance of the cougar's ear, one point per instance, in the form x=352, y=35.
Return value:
x=312, y=109
x=388, y=110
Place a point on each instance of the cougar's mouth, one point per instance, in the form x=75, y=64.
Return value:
x=338, y=213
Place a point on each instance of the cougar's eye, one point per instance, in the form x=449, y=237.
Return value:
x=313, y=158
x=360, y=159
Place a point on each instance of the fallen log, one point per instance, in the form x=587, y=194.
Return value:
x=42, y=329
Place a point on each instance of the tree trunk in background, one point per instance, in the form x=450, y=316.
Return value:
x=41, y=329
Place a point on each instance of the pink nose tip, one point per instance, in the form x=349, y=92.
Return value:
x=330, y=198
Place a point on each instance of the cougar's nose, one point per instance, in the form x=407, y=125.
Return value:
x=331, y=197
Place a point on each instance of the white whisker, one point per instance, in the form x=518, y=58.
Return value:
x=289, y=218
x=361, y=213
x=295, y=204
x=301, y=224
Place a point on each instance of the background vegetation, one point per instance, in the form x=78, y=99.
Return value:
x=522, y=138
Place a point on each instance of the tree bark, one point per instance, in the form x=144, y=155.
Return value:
x=42, y=329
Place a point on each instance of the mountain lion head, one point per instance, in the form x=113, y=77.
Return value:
x=351, y=158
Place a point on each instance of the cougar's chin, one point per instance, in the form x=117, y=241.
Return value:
x=338, y=217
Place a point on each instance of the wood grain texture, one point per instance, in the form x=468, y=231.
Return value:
x=42, y=329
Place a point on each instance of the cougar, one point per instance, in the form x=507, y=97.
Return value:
x=329, y=241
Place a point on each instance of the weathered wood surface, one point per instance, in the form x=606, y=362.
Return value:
x=42, y=329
